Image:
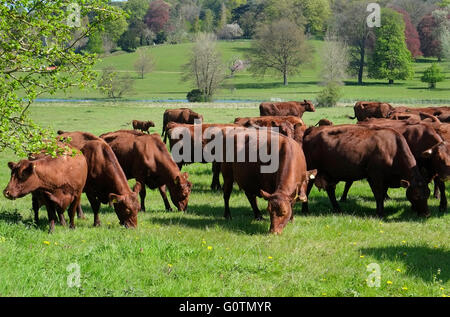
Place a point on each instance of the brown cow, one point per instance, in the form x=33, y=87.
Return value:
x=181, y=115
x=290, y=126
x=368, y=109
x=412, y=116
x=142, y=125
x=427, y=146
x=281, y=188
x=106, y=181
x=215, y=184
x=323, y=122
x=56, y=182
x=288, y=108
x=354, y=152
x=146, y=158
x=434, y=111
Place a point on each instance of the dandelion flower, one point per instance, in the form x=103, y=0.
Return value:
x=210, y=247
x=169, y=265
x=403, y=241
x=389, y=282
x=361, y=256
x=404, y=288
x=269, y=257
x=47, y=242
x=398, y=270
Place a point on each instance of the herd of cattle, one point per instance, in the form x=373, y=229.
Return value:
x=389, y=147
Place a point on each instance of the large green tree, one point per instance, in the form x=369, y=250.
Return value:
x=37, y=56
x=391, y=58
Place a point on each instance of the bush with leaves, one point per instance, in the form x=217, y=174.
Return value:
x=196, y=95
x=330, y=95
x=433, y=75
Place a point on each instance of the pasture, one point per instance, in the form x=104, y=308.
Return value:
x=199, y=253
x=165, y=81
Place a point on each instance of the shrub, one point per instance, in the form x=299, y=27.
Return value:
x=433, y=75
x=329, y=96
x=196, y=95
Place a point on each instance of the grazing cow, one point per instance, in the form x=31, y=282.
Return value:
x=281, y=188
x=181, y=115
x=289, y=108
x=354, y=152
x=106, y=181
x=290, y=126
x=368, y=109
x=215, y=184
x=412, y=116
x=427, y=146
x=146, y=158
x=56, y=182
x=434, y=111
x=142, y=125
x=323, y=122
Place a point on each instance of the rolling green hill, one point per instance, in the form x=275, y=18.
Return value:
x=165, y=81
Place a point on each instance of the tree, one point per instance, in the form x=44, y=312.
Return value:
x=230, y=31
x=350, y=24
x=279, y=47
x=430, y=44
x=316, y=13
x=95, y=44
x=38, y=56
x=208, y=21
x=411, y=35
x=391, y=58
x=334, y=60
x=112, y=32
x=205, y=67
x=442, y=19
x=416, y=9
x=128, y=41
x=433, y=75
x=113, y=85
x=223, y=17
x=157, y=16
x=144, y=63
x=137, y=9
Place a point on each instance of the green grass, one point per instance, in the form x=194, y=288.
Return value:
x=165, y=81
x=321, y=254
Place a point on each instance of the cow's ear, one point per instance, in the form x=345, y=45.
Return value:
x=404, y=183
x=311, y=174
x=114, y=198
x=137, y=188
x=11, y=165
x=427, y=153
x=265, y=195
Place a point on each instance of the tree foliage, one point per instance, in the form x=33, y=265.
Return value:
x=411, y=35
x=37, y=55
x=433, y=75
x=157, y=16
x=279, y=47
x=113, y=85
x=391, y=58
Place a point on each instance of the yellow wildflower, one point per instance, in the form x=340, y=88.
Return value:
x=47, y=242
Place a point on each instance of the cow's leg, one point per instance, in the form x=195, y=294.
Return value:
x=215, y=184
x=443, y=202
x=252, y=199
x=35, y=205
x=51, y=216
x=162, y=191
x=227, y=188
x=305, y=206
x=331, y=191
x=379, y=191
x=345, y=193
x=142, y=194
x=62, y=219
x=95, y=205
x=80, y=213
x=72, y=211
x=437, y=190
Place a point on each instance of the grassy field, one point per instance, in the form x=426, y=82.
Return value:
x=165, y=81
x=198, y=253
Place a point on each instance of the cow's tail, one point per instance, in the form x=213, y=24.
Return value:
x=352, y=118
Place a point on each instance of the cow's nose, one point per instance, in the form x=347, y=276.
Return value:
x=6, y=193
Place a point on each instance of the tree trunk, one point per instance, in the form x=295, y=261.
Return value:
x=285, y=80
x=391, y=81
x=361, y=63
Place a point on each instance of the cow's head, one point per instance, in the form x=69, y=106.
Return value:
x=440, y=159
x=280, y=210
x=127, y=206
x=417, y=192
x=309, y=106
x=180, y=192
x=23, y=179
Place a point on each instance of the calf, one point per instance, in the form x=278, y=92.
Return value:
x=289, y=108
x=146, y=158
x=142, y=125
x=181, y=115
x=56, y=182
x=354, y=152
x=281, y=188
x=106, y=181
x=368, y=109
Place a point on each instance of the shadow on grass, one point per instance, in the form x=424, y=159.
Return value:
x=380, y=84
x=212, y=216
x=422, y=261
x=272, y=85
